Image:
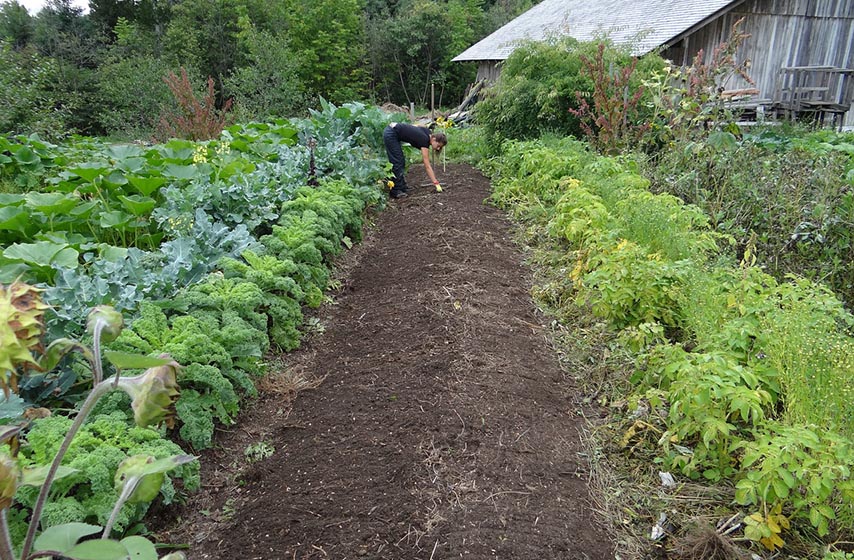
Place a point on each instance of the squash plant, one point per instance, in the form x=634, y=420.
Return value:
x=138, y=478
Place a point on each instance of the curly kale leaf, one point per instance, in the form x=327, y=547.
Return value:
x=229, y=294
x=308, y=271
x=105, y=441
x=269, y=274
x=210, y=380
x=184, y=338
x=338, y=202
x=210, y=398
x=197, y=419
x=286, y=315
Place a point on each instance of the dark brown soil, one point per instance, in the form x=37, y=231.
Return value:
x=443, y=428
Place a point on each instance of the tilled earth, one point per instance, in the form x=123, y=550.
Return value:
x=443, y=426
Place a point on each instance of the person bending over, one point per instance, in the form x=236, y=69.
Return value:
x=417, y=136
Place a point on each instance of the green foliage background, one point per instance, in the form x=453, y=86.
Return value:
x=68, y=72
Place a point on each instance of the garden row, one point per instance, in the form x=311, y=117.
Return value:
x=210, y=249
x=739, y=379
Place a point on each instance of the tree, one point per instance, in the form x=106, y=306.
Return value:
x=204, y=36
x=131, y=90
x=269, y=86
x=63, y=33
x=499, y=12
x=327, y=36
x=16, y=25
x=413, y=50
x=28, y=100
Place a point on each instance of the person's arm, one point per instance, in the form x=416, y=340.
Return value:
x=425, y=155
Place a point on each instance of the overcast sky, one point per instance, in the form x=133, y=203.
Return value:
x=33, y=6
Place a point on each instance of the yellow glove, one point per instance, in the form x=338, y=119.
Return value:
x=438, y=187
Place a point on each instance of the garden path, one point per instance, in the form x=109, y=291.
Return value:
x=443, y=427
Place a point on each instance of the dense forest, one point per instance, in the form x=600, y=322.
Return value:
x=103, y=71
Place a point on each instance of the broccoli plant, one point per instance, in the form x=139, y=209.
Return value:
x=139, y=477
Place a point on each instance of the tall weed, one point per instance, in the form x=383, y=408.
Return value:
x=193, y=118
x=806, y=338
x=794, y=204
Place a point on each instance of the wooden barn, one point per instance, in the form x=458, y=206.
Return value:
x=801, y=52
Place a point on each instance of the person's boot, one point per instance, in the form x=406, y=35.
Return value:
x=399, y=189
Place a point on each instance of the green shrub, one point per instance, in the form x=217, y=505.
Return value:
x=714, y=404
x=538, y=86
x=269, y=86
x=804, y=466
x=29, y=99
x=628, y=285
x=530, y=172
x=792, y=200
x=134, y=96
x=580, y=216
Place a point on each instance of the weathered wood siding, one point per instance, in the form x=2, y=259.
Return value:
x=488, y=70
x=782, y=33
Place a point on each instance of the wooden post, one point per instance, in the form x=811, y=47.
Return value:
x=412, y=111
x=432, y=116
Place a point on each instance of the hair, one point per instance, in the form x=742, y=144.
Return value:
x=440, y=138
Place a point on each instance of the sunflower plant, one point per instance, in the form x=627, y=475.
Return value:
x=139, y=477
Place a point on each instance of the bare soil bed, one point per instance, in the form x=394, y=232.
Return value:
x=443, y=426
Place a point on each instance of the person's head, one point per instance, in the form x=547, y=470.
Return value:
x=438, y=140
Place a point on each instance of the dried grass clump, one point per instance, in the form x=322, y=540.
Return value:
x=286, y=383
x=702, y=542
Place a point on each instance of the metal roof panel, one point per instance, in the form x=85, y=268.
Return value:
x=643, y=25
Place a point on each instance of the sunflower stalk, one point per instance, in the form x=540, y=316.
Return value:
x=92, y=399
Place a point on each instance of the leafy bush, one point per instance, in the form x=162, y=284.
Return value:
x=790, y=199
x=628, y=285
x=538, y=85
x=715, y=402
x=802, y=466
x=270, y=85
x=29, y=102
x=134, y=95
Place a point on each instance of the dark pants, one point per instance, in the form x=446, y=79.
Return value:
x=396, y=157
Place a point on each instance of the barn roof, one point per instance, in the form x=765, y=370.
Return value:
x=642, y=24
